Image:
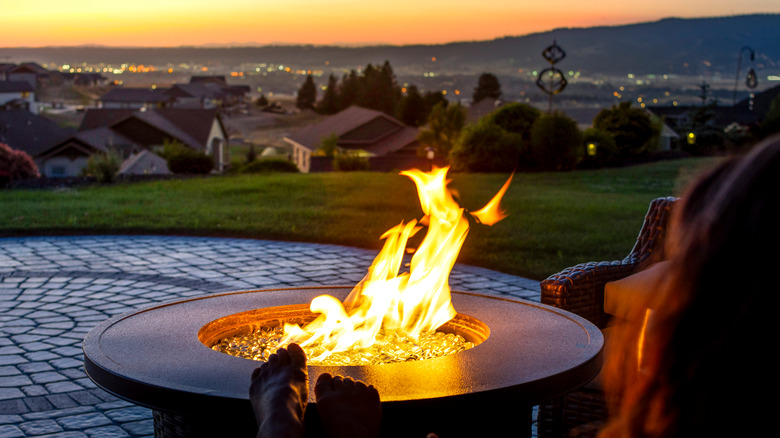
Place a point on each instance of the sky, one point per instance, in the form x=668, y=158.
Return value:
x=167, y=23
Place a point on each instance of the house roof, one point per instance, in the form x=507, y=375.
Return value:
x=348, y=121
x=220, y=80
x=482, y=108
x=15, y=87
x=190, y=126
x=29, y=132
x=199, y=90
x=144, y=162
x=133, y=95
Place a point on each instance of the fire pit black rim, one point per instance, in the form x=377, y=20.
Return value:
x=167, y=397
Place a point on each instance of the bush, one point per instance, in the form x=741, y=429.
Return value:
x=516, y=117
x=182, y=159
x=347, y=161
x=632, y=128
x=15, y=165
x=192, y=162
x=486, y=147
x=603, y=149
x=270, y=165
x=555, y=142
x=103, y=166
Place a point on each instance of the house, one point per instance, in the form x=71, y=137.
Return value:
x=29, y=72
x=18, y=94
x=205, y=79
x=482, y=108
x=30, y=132
x=69, y=156
x=385, y=141
x=144, y=163
x=200, y=129
x=131, y=133
x=133, y=98
x=196, y=95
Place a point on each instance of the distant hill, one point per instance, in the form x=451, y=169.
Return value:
x=698, y=46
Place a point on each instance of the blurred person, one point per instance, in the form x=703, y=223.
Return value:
x=696, y=362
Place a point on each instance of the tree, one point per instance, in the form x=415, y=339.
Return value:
x=517, y=118
x=445, y=123
x=413, y=107
x=555, y=142
x=262, y=102
x=350, y=91
x=330, y=100
x=380, y=91
x=307, y=94
x=632, y=128
x=485, y=147
x=487, y=86
x=598, y=148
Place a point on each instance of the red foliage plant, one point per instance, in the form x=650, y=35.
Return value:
x=16, y=164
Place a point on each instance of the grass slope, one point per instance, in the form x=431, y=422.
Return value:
x=556, y=219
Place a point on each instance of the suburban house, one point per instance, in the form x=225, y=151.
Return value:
x=18, y=94
x=132, y=98
x=480, y=109
x=385, y=141
x=29, y=72
x=196, y=95
x=134, y=134
x=31, y=133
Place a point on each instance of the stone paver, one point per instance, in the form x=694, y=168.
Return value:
x=53, y=290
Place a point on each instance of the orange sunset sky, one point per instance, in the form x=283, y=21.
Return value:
x=35, y=23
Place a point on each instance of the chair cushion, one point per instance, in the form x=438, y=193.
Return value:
x=622, y=296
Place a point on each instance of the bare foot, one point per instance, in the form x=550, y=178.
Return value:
x=279, y=391
x=348, y=408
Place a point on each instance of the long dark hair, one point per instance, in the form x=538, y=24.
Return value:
x=695, y=367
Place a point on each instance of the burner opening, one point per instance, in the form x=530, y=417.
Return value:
x=255, y=335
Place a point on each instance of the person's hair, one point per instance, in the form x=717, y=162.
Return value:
x=697, y=367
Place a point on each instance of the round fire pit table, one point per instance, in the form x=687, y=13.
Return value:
x=531, y=353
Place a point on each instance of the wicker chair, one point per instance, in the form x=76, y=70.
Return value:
x=580, y=289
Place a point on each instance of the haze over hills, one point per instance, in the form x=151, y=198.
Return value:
x=702, y=46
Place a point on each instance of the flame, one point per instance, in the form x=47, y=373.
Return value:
x=414, y=302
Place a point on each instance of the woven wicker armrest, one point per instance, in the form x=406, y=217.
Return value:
x=580, y=289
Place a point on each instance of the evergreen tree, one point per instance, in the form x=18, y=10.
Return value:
x=413, y=111
x=330, y=100
x=307, y=94
x=350, y=91
x=487, y=86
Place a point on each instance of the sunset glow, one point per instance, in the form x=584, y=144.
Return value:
x=194, y=22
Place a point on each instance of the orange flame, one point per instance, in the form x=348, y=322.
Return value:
x=413, y=302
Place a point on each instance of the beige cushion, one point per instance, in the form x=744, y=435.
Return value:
x=623, y=295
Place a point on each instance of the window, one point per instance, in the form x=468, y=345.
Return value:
x=57, y=171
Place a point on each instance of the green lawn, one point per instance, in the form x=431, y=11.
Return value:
x=556, y=219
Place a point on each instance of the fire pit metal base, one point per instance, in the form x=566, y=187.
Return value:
x=154, y=358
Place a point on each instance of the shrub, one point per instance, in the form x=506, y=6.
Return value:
x=486, y=147
x=516, y=117
x=15, y=165
x=603, y=149
x=270, y=165
x=347, y=161
x=632, y=128
x=555, y=142
x=103, y=166
x=182, y=159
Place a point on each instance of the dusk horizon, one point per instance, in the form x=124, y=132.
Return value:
x=241, y=23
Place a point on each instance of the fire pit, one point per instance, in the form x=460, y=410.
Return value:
x=528, y=353
x=524, y=353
